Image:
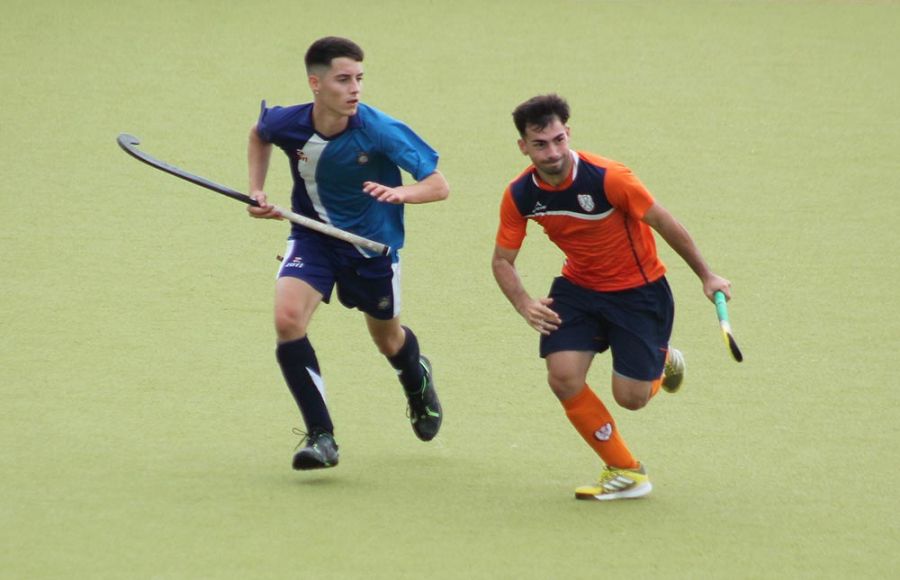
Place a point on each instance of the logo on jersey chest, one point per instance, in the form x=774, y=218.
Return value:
x=586, y=202
x=362, y=158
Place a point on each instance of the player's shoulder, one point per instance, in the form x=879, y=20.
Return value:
x=521, y=193
x=373, y=119
x=599, y=161
x=278, y=116
x=522, y=179
x=610, y=171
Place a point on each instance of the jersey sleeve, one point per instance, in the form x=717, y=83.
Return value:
x=264, y=123
x=271, y=121
x=626, y=192
x=404, y=147
x=512, y=229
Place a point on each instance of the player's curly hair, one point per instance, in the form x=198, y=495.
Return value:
x=540, y=111
x=324, y=50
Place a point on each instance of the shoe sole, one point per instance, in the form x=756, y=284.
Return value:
x=306, y=462
x=303, y=465
x=633, y=493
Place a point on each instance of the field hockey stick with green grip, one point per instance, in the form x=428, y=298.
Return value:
x=725, y=324
x=129, y=143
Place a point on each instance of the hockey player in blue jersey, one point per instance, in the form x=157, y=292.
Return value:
x=345, y=159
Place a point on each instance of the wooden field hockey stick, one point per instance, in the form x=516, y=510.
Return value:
x=128, y=144
x=725, y=324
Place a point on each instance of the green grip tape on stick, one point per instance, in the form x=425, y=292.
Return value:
x=721, y=307
x=727, y=335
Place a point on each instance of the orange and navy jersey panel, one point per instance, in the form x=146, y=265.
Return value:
x=595, y=217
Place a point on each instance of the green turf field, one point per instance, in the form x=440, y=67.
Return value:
x=146, y=429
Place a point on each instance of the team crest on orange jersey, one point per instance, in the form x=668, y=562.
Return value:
x=586, y=202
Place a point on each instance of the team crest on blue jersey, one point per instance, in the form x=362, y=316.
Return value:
x=362, y=158
x=586, y=202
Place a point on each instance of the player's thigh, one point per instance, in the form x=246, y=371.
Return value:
x=640, y=327
x=371, y=285
x=580, y=328
x=567, y=371
x=295, y=302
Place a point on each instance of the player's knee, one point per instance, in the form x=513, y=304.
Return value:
x=289, y=324
x=564, y=387
x=631, y=400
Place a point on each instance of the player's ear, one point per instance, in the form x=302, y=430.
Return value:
x=314, y=83
x=522, y=148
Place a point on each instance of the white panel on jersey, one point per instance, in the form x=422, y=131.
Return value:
x=307, y=169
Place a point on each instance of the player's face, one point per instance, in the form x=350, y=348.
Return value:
x=339, y=88
x=548, y=149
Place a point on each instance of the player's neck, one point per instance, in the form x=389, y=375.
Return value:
x=557, y=179
x=328, y=123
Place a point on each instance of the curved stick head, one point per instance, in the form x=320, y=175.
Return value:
x=128, y=139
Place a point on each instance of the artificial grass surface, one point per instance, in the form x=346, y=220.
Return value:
x=146, y=426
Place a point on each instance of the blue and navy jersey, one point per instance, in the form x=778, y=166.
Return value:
x=329, y=173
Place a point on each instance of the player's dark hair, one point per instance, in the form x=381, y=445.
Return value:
x=540, y=111
x=324, y=50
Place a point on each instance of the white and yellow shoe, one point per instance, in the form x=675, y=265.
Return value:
x=673, y=372
x=617, y=483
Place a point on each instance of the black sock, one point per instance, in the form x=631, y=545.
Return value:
x=300, y=368
x=406, y=361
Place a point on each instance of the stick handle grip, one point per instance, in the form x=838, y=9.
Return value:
x=721, y=306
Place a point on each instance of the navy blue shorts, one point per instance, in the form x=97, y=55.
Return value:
x=634, y=324
x=369, y=284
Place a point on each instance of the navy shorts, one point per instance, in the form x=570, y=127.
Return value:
x=634, y=324
x=369, y=284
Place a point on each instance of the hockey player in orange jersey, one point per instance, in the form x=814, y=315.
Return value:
x=612, y=293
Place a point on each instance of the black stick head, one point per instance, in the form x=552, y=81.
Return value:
x=735, y=351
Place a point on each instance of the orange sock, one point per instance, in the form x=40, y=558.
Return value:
x=592, y=420
x=654, y=388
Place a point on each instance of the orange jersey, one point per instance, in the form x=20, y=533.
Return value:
x=595, y=217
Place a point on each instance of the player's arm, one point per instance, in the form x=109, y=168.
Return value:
x=678, y=238
x=258, y=154
x=432, y=188
x=536, y=312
